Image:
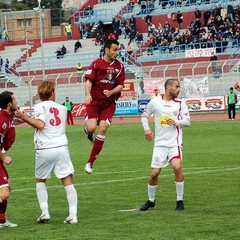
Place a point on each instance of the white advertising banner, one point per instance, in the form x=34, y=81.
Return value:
x=205, y=103
x=201, y=52
x=150, y=85
x=197, y=87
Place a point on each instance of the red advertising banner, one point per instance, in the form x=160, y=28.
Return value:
x=128, y=90
x=79, y=110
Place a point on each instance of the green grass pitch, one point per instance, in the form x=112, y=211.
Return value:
x=119, y=185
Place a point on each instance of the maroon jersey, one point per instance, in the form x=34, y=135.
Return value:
x=7, y=130
x=105, y=76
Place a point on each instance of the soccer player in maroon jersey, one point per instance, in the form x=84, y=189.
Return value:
x=104, y=83
x=8, y=106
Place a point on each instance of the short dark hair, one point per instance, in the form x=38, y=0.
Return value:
x=169, y=82
x=109, y=43
x=231, y=88
x=5, y=99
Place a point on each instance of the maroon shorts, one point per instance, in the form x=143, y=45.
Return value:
x=3, y=176
x=101, y=110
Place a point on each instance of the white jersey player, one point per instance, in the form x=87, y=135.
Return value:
x=52, y=154
x=170, y=115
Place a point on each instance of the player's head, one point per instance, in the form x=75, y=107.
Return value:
x=231, y=89
x=8, y=101
x=172, y=87
x=111, y=47
x=46, y=90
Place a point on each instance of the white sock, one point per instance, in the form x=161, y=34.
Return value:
x=42, y=196
x=179, y=190
x=72, y=200
x=152, y=192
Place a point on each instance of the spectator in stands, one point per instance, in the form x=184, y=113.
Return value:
x=59, y=53
x=101, y=53
x=148, y=19
x=130, y=6
x=230, y=11
x=213, y=60
x=5, y=35
x=206, y=16
x=77, y=45
x=81, y=29
x=100, y=26
x=88, y=11
x=7, y=65
x=197, y=13
x=129, y=49
x=132, y=23
x=116, y=26
x=150, y=47
x=1, y=63
x=139, y=39
x=151, y=29
x=180, y=19
x=79, y=71
x=68, y=30
x=64, y=50
x=122, y=52
x=124, y=24
x=132, y=35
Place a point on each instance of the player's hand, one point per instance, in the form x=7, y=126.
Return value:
x=107, y=93
x=148, y=135
x=237, y=86
x=88, y=99
x=6, y=160
x=18, y=114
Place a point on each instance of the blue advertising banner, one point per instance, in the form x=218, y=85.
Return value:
x=142, y=105
x=125, y=107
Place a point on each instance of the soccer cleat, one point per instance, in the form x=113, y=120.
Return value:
x=44, y=218
x=7, y=224
x=148, y=204
x=88, y=168
x=90, y=137
x=180, y=206
x=69, y=220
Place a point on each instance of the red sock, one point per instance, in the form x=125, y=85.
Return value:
x=96, y=149
x=3, y=208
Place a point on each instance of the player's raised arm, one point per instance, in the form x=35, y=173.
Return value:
x=35, y=123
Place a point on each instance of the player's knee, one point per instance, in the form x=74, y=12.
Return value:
x=4, y=193
x=154, y=174
x=177, y=169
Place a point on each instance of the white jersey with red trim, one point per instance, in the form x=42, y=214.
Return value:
x=166, y=135
x=53, y=134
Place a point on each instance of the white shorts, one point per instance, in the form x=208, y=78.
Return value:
x=55, y=160
x=163, y=155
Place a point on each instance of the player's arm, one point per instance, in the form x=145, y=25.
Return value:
x=35, y=123
x=88, y=87
x=5, y=159
x=114, y=91
x=145, y=122
x=185, y=120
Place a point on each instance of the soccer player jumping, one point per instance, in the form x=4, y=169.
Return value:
x=170, y=115
x=104, y=83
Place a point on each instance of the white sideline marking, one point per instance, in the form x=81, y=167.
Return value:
x=128, y=210
x=132, y=179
